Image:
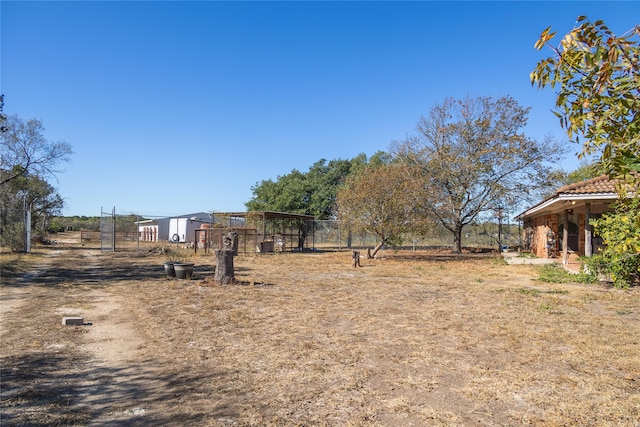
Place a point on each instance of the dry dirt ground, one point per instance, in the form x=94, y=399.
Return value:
x=415, y=338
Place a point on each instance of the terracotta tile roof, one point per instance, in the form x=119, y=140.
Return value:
x=595, y=189
x=598, y=185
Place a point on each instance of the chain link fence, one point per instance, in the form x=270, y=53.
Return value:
x=138, y=230
x=331, y=234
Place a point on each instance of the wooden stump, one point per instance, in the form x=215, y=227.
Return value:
x=355, y=255
x=224, y=267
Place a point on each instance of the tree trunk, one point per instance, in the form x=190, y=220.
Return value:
x=375, y=250
x=224, y=267
x=457, y=240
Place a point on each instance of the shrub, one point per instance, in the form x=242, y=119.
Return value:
x=12, y=236
x=620, y=231
x=555, y=273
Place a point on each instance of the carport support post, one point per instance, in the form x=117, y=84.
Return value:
x=588, y=249
x=565, y=237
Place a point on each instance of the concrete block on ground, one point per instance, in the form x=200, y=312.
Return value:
x=73, y=321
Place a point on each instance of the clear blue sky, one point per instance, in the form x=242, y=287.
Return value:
x=180, y=107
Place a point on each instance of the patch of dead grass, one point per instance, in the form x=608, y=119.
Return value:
x=414, y=338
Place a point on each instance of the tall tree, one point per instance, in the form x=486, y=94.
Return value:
x=597, y=78
x=285, y=194
x=380, y=199
x=310, y=193
x=30, y=192
x=584, y=172
x=25, y=151
x=474, y=158
x=26, y=159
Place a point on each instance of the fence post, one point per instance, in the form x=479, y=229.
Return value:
x=27, y=229
x=113, y=227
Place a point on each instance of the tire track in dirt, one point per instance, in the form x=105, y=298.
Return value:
x=126, y=379
x=91, y=374
x=15, y=291
x=114, y=384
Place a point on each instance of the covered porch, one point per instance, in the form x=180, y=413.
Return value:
x=559, y=227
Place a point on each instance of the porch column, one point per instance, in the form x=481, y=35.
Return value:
x=588, y=249
x=565, y=237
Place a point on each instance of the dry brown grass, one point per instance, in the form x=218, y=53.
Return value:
x=422, y=338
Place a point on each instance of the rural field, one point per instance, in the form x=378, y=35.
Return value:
x=421, y=338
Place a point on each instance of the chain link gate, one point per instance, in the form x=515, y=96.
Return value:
x=108, y=230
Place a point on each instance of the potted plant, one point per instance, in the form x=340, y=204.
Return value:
x=177, y=257
x=183, y=270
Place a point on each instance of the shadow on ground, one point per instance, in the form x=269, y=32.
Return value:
x=444, y=257
x=95, y=270
x=40, y=389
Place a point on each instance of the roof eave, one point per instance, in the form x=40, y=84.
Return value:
x=566, y=197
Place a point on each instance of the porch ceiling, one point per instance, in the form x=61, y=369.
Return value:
x=562, y=202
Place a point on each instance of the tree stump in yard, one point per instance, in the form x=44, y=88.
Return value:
x=224, y=259
x=224, y=267
x=355, y=255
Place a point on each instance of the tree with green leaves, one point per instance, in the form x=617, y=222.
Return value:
x=286, y=194
x=584, y=172
x=31, y=192
x=597, y=78
x=310, y=193
x=475, y=159
x=26, y=159
x=380, y=199
x=620, y=231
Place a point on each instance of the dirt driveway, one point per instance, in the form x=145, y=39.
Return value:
x=411, y=339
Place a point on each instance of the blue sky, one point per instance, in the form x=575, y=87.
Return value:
x=179, y=107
